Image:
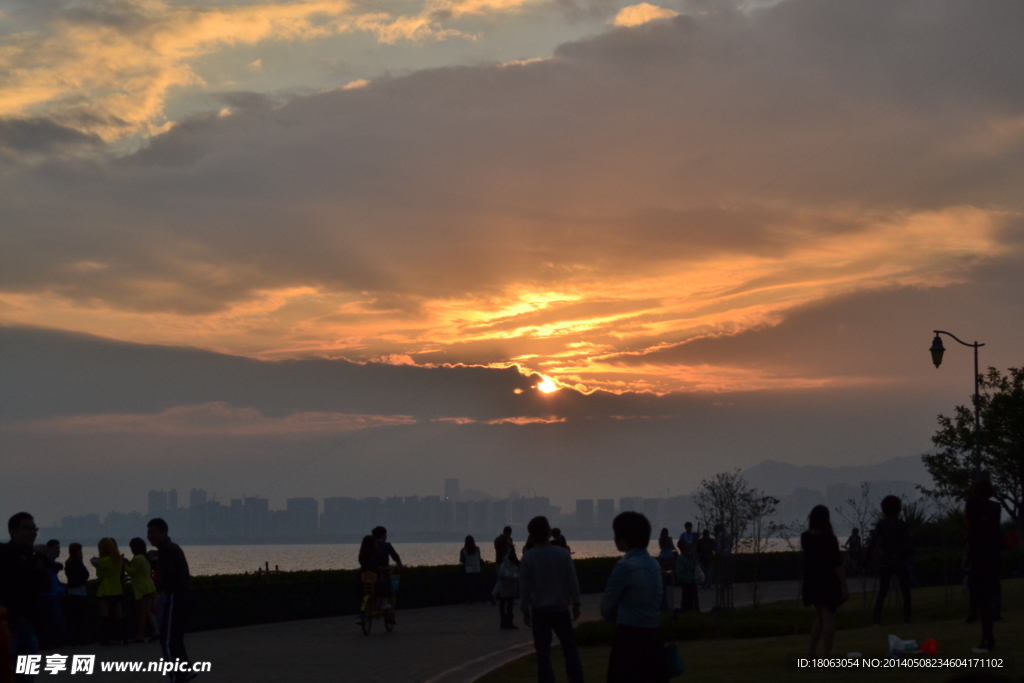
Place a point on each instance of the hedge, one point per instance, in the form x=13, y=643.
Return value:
x=224, y=601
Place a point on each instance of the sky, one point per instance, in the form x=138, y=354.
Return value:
x=579, y=248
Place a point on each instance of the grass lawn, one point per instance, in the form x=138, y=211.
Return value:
x=771, y=659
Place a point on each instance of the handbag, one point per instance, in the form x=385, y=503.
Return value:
x=508, y=571
x=674, y=661
x=698, y=575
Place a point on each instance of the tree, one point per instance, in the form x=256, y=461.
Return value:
x=759, y=509
x=721, y=500
x=1001, y=406
x=728, y=500
x=946, y=513
x=861, y=513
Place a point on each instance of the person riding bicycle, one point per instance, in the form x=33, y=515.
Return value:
x=368, y=555
x=386, y=588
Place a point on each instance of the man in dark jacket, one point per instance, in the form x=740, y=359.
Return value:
x=984, y=542
x=890, y=547
x=23, y=581
x=175, y=596
x=502, y=545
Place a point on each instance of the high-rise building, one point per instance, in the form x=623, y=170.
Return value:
x=157, y=503
x=653, y=510
x=197, y=498
x=302, y=517
x=172, y=499
x=480, y=516
x=462, y=509
x=451, y=489
x=605, y=513
x=341, y=516
x=433, y=510
x=198, y=515
x=257, y=516
x=499, y=513
x=584, y=513
x=630, y=504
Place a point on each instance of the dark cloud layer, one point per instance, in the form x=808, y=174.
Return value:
x=37, y=135
x=58, y=388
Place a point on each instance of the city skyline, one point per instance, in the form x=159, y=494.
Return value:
x=432, y=517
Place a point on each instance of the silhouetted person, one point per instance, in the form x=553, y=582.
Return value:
x=144, y=592
x=76, y=599
x=824, y=582
x=54, y=629
x=386, y=553
x=548, y=587
x=984, y=541
x=557, y=539
x=508, y=578
x=667, y=559
x=502, y=544
x=109, y=568
x=890, y=547
x=368, y=554
x=23, y=580
x=632, y=601
x=469, y=558
x=688, y=535
x=176, y=594
x=686, y=577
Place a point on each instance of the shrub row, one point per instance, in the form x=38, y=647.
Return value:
x=224, y=601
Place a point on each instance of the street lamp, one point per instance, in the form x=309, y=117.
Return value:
x=937, y=350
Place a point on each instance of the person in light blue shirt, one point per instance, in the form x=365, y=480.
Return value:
x=548, y=587
x=688, y=535
x=631, y=601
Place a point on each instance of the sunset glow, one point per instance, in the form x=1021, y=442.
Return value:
x=547, y=385
x=500, y=228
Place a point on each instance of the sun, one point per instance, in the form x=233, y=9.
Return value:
x=547, y=385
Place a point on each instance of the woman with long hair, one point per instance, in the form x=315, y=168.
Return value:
x=109, y=568
x=469, y=558
x=824, y=584
x=144, y=589
x=508, y=591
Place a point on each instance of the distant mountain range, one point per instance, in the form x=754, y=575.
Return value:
x=781, y=479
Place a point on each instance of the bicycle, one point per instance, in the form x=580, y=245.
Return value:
x=374, y=606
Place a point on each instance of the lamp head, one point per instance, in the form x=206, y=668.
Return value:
x=937, y=350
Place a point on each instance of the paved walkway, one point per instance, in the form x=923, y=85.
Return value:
x=450, y=644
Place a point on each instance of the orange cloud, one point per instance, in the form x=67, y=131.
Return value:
x=559, y=334
x=113, y=77
x=519, y=420
x=635, y=15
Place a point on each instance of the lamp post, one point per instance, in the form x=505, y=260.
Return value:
x=937, y=350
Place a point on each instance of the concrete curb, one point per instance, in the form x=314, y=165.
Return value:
x=477, y=668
